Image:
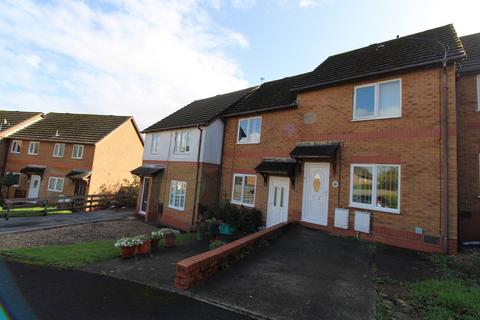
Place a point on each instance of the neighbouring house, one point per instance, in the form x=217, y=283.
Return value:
x=12, y=121
x=380, y=143
x=74, y=154
x=468, y=98
x=181, y=162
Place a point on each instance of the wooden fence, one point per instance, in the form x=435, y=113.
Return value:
x=65, y=203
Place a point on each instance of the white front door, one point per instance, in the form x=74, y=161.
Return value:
x=278, y=192
x=34, y=187
x=315, y=193
x=144, y=199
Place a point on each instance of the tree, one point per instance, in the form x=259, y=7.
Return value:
x=8, y=180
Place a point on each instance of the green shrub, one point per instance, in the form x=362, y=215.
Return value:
x=215, y=244
x=242, y=219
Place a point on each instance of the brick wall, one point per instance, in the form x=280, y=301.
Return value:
x=468, y=158
x=413, y=141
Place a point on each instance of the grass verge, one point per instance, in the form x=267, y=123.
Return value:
x=31, y=212
x=75, y=255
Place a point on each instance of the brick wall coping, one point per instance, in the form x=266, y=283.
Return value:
x=204, y=265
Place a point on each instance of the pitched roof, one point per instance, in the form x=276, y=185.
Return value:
x=420, y=49
x=270, y=95
x=71, y=127
x=471, y=43
x=199, y=112
x=9, y=119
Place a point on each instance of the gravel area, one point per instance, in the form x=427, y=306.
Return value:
x=75, y=234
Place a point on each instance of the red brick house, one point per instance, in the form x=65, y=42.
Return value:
x=181, y=162
x=365, y=145
x=73, y=154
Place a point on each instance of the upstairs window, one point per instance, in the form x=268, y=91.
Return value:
x=375, y=187
x=182, y=141
x=243, y=192
x=77, y=151
x=249, y=130
x=59, y=150
x=33, y=148
x=16, y=146
x=377, y=100
x=155, y=146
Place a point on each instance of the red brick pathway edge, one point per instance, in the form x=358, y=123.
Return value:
x=193, y=270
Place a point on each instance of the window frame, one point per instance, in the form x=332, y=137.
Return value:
x=241, y=202
x=16, y=174
x=376, y=116
x=73, y=151
x=372, y=206
x=19, y=144
x=55, y=147
x=29, y=147
x=188, y=143
x=248, y=126
x=478, y=92
x=56, y=182
x=173, y=206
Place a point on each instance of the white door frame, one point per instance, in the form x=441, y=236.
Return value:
x=270, y=211
x=306, y=168
x=142, y=194
x=29, y=195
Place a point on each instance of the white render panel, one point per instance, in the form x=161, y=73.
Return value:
x=212, y=143
x=362, y=221
x=341, y=218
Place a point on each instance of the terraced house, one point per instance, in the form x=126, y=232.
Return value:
x=368, y=144
x=73, y=154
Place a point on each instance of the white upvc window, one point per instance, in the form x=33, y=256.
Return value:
x=182, y=141
x=249, y=130
x=243, y=189
x=17, y=178
x=33, y=147
x=178, y=190
x=16, y=146
x=478, y=92
x=55, y=184
x=59, y=150
x=375, y=187
x=380, y=100
x=77, y=151
x=155, y=144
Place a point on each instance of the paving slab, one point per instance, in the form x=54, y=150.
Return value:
x=304, y=274
x=25, y=224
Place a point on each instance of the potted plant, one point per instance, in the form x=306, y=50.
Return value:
x=128, y=247
x=144, y=244
x=155, y=239
x=169, y=236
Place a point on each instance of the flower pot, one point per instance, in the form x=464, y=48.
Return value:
x=128, y=252
x=169, y=241
x=144, y=248
x=154, y=244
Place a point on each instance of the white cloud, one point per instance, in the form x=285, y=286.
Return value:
x=141, y=58
x=312, y=3
x=243, y=4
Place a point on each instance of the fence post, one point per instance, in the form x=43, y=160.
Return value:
x=45, y=207
x=8, y=211
x=74, y=199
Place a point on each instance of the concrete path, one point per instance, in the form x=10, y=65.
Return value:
x=33, y=292
x=25, y=224
x=304, y=274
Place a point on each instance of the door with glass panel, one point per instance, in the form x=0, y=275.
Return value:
x=278, y=192
x=315, y=193
x=145, y=189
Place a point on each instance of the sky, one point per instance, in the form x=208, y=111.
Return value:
x=150, y=58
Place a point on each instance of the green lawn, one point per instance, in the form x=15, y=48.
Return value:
x=75, y=255
x=31, y=212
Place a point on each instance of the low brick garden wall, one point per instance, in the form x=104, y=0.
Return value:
x=203, y=266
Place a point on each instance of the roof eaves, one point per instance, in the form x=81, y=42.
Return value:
x=416, y=65
x=290, y=105
x=191, y=125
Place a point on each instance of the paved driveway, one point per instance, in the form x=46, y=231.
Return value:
x=304, y=274
x=24, y=224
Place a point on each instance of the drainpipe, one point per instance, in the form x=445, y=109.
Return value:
x=444, y=167
x=196, y=178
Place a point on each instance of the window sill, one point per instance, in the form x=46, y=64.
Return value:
x=248, y=142
x=238, y=203
x=376, y=118
x=58, y=156
x=58, y=191
x=32, y=154
x=372, y=208
x=77, y=158
x=176, y=208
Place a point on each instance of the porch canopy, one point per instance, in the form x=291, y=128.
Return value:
x=147, y=171
x=79, y=174
x=37, y=170
x=277, y=167
x=312, y=151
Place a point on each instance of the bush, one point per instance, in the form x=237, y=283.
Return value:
x=242, y=219
x=216, y=244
